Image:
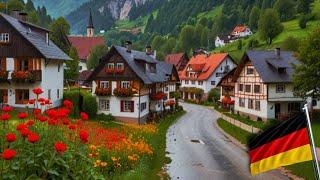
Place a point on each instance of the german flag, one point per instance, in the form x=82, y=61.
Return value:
x=282, y=145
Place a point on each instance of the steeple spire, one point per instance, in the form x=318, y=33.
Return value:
x=90, y=28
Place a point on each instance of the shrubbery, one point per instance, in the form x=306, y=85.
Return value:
x=89, y=104
x=290, y=44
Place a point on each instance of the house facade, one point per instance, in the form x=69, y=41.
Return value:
x=203, y=73
x=179, y=60
x=28, y=60
x=263, y=87
x=241, y=31
x=131, y=85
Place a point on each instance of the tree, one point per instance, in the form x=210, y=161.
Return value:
x=186, y=39
x=60, y=29
x=2, y=7
x=204, y=37
x=306, y=76
x=303, y=21
x=71, y=71
x=96, y=54
x=254, y=18
x=290, y=44
x=157, y=42
x=15, y=5
x=269, y=25
x=266, y=4
x=33, y=17
x=30, y=6
x=285, y=9
x=303, y=6
x=203, y=21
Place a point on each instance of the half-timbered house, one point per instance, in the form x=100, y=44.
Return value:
x=131, y=84
x=263, y=85
x=28, y=60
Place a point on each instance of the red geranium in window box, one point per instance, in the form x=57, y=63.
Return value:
x=109, y=71
x=123, y=92
x=119, y=71
x=158, y=96
x=103, y=91
x=3, y=75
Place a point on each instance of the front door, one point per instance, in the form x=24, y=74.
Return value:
x=277, y=109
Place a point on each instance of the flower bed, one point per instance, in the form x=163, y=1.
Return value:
x=123, y=92
x=158, y=96
x=103, y=91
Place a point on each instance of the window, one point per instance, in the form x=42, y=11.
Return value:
x=294, y=107
x=314, y=102
x=280, y=88
x=200, y=83
x=219, y=74
x=4, y=94
x=250, y=104
x=213, y=83
x=193, y=82
x=257, y=89
x=125, y=84
x=143, y=106
x=110, y=65
x=49, y=93
x=281, y=70
x=248, y=88
x=104, y=84
x=186, y=82
x=249, y=71
x=241, y=102
x=22, y=96
x=120, y=66
x=127, y=106
x=58, y=93
x=240, y=87
x=227, y=68
x=22, y=65
x=104, y=105
x=4, y=38
x=257, y=106
x=80, y=68
x=166, y=89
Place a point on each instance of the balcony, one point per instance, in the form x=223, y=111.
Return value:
x=103, y=91
x=31, y=76
x=123, y=92
x=158, y=96
x=114, y=71
x=3, y=76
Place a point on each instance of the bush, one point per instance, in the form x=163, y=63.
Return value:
x=290, y=44
x=89, y=105
x=105, y=118
x=73, y=96
x=214, y=95
x=303, y=21
x=253, y=43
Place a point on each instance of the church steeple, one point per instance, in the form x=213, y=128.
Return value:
x=90, y=28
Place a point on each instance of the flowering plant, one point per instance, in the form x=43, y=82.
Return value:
x=123, y=92
x=21, y=76
x=170, y=103
x=158, y=96
x=103, y=91
x=3, y=75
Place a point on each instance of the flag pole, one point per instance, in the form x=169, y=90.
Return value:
x=314, y=150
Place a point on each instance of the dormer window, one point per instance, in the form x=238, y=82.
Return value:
x=120, y=66
x=110, y=65
x=4, y=38
x=249, y=71
x=125, y=84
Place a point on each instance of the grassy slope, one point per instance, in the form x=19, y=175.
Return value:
x=291, y=28
x=304, y=169
x=211, y=14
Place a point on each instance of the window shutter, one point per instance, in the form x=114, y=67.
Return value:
x=122, y=106
x=132, y=106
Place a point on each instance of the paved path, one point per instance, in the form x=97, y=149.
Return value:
x=211, y=155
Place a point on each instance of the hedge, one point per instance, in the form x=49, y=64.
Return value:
x=73, y=96
x=90, y=105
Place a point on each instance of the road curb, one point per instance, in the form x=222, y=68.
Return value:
x=282, y=170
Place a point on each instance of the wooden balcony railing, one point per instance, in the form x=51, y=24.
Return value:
x=103, y=91
x=114, y=71
x=31, y=76
x=123, y=92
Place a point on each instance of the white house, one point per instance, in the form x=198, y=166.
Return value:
x=28, y=60
x=241, y=31
x=220, y=42
x=131, y=85
x=263, y=87
x=203, y=73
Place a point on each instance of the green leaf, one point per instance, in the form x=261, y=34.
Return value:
x=54, y=172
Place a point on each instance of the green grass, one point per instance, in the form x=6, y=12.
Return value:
x=127, y=24
x=236, y=132
x=304, y=170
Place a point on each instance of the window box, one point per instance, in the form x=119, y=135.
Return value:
x=103, y=91
x=26, y=76
x=123, y=92
x=3, y=75
x=158, y=96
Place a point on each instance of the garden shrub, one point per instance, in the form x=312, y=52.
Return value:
x=214, y=95
x=73, y=96
x=290, y=44
x=105, y=118
x=89, y=105
x=303, y=21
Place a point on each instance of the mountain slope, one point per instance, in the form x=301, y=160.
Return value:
x=58, y=8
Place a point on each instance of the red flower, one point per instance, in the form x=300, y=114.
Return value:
x=72, y=127
x=37, y=111
x=47, y=101
x=68, y=104
x=9, y=154
x=60, y=147
x=32, y=101
x=66, y=122
x=7, y=109
x=42, y=118
x=79, y=122
x=11, y=137
x=30, y=123
x=5, y=117
x=22, y=115
x=84, y=136
x=84, y=116
x=25, y=132
x=41, y=99
x=21, y=127
x=52, y=122
x=37, y=91
x=33, y=138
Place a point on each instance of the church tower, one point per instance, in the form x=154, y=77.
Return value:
x=90, y=28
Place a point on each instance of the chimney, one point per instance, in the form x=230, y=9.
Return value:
x=149, y=50
x=15, y=13
x=23, y=16
x=129, y=46
x=278, y=52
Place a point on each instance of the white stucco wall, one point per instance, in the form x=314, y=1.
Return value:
x=286, y=96
x=83, y=66
x=263, y=113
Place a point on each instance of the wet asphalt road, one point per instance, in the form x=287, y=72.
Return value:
x=213, y=156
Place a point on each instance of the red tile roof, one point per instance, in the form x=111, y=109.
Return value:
x=208, y=63
x=174, y=58
x=85, y=44
x=240, y=28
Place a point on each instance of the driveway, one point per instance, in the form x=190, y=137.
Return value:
x=198, y=150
